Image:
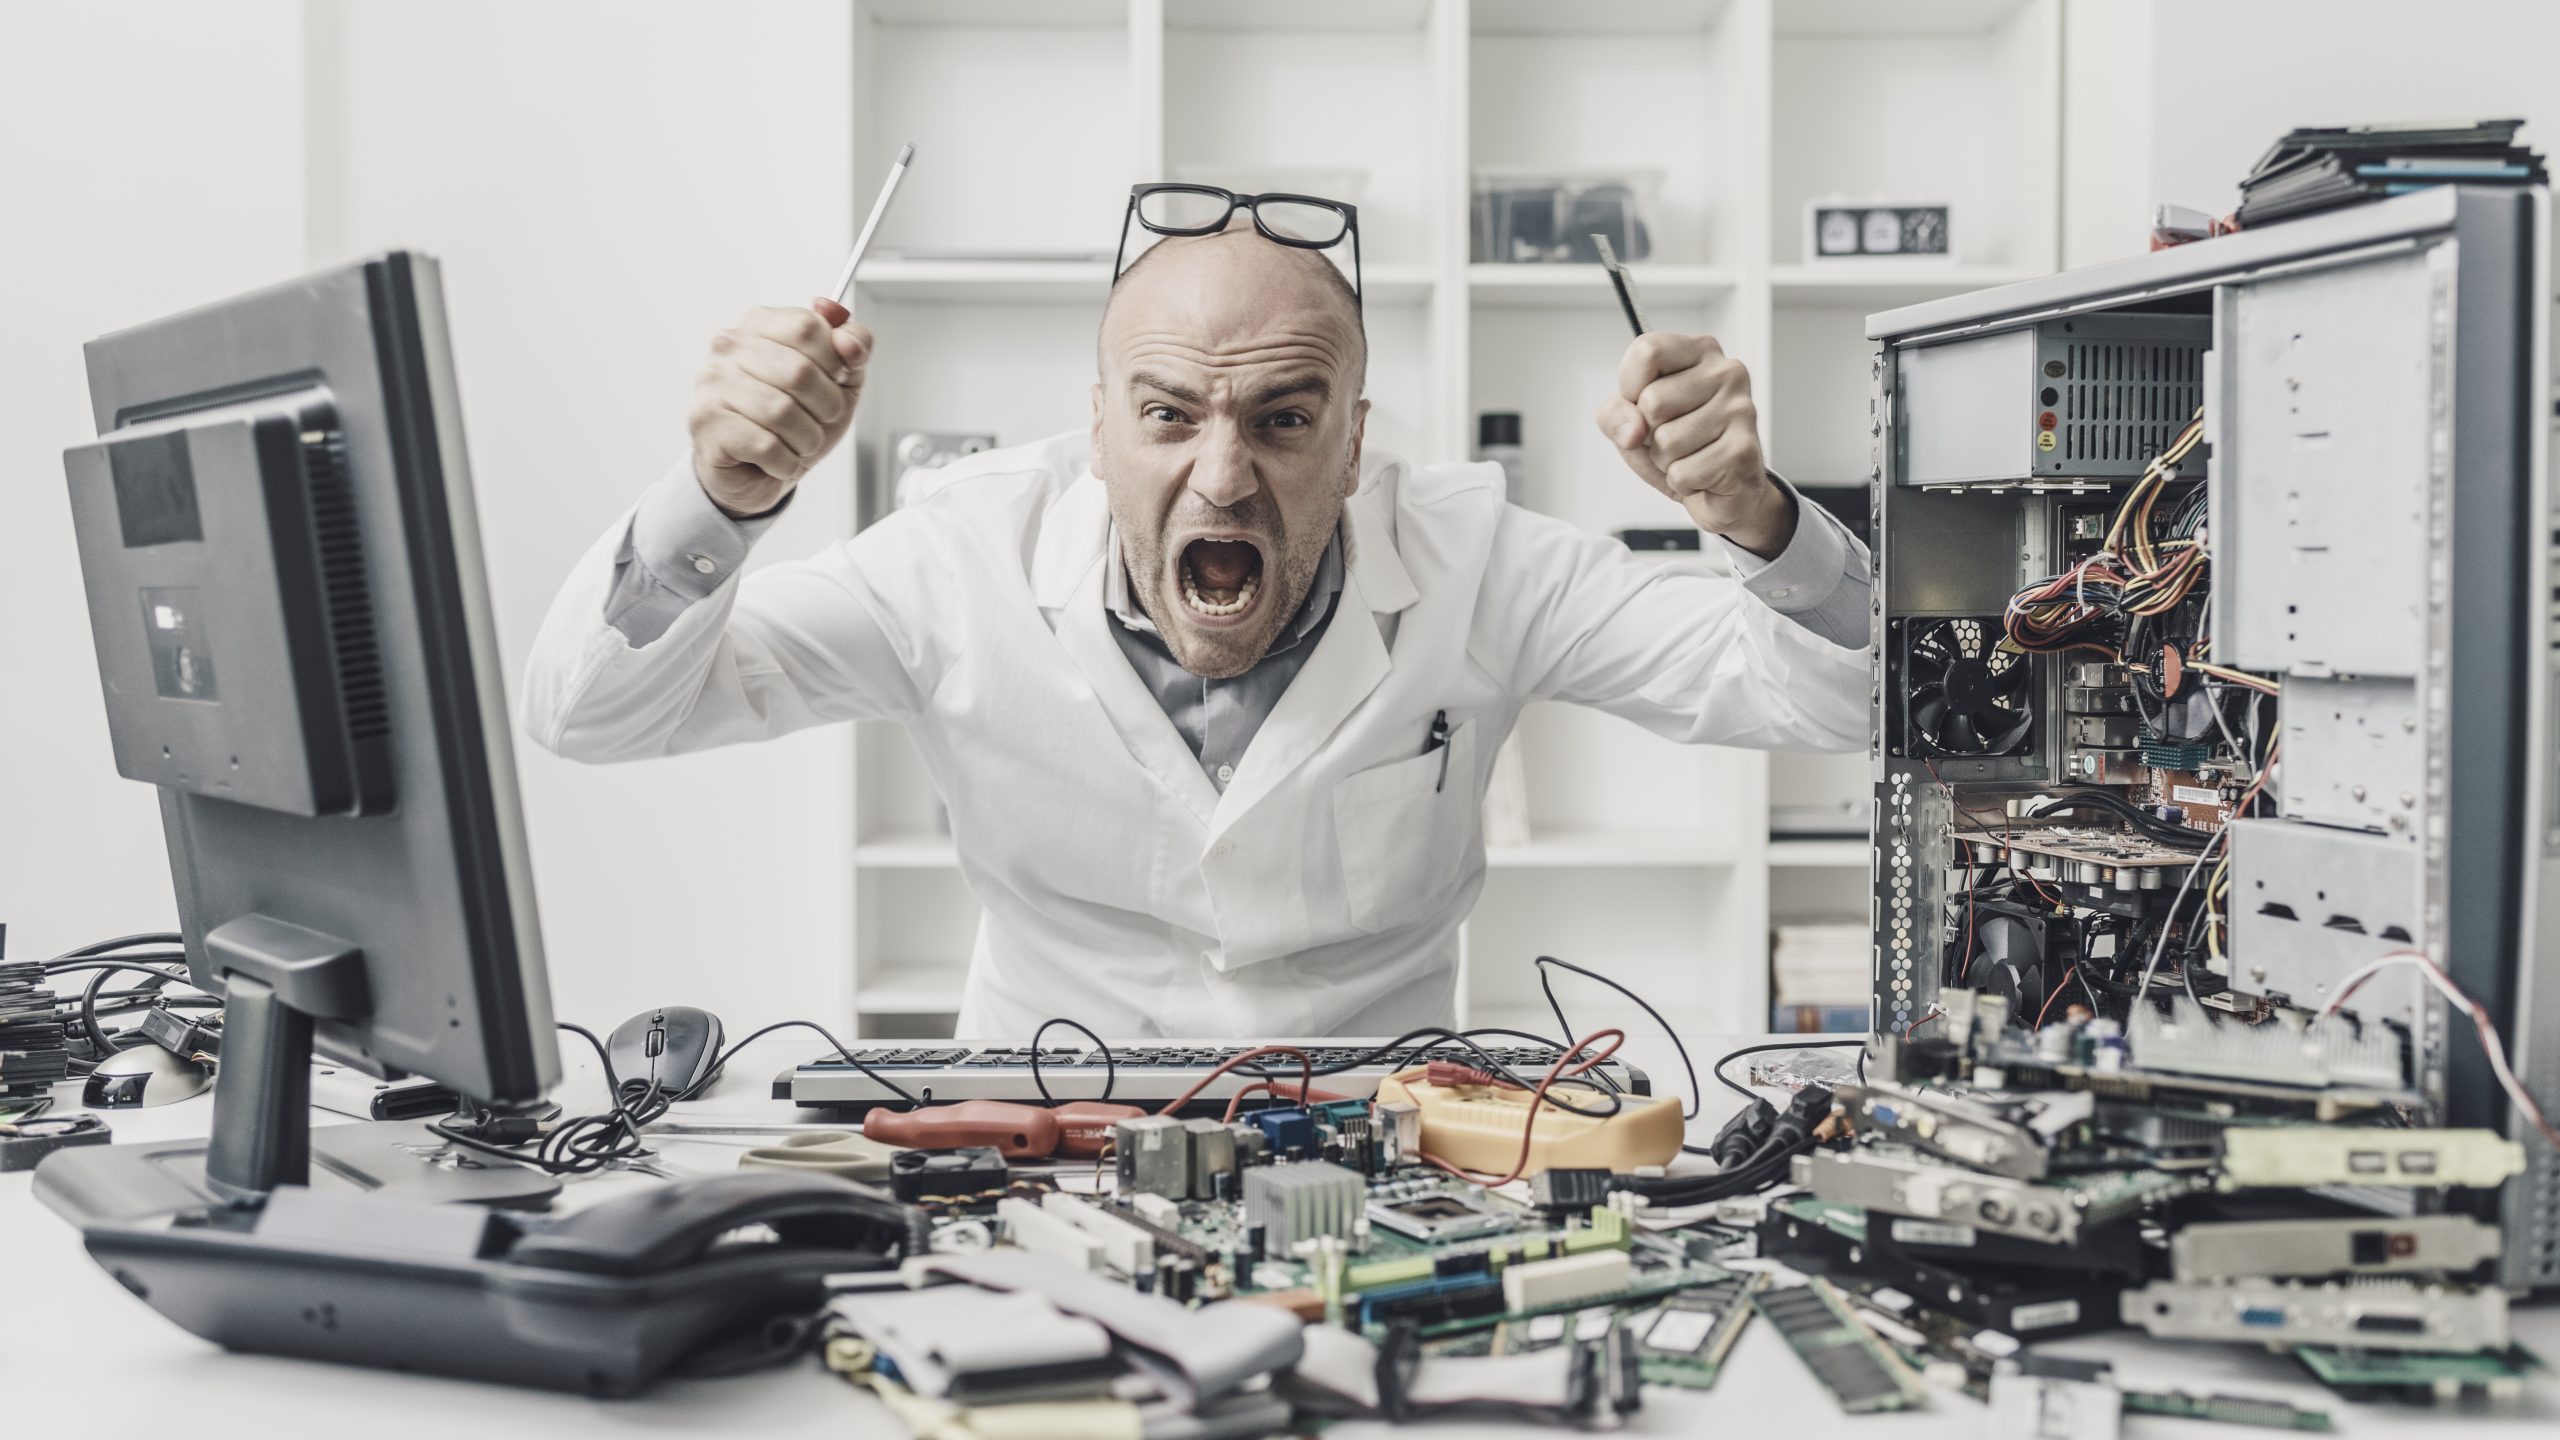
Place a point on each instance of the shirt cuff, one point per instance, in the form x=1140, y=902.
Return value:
x=678, y=548
x=686, y=543
x=1805, y=574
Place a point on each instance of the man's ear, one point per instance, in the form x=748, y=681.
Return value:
x=1359, y=433
x=1095, y=442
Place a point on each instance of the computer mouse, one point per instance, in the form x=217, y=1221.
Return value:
x=676, y=1045
x=144, y=1075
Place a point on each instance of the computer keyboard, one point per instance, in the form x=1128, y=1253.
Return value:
x=1150, y=1072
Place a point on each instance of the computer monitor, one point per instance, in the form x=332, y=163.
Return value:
x=282, y=562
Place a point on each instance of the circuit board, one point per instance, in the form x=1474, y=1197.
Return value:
x=1482, y=1264
x=2418, y=1378
x=2228, y=1410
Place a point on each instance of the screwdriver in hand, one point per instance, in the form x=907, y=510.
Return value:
x=832, y=308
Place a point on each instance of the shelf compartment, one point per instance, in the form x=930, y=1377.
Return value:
x=1328, y=86
x=1541, y=97
x=1954, y=102
x=982, y=179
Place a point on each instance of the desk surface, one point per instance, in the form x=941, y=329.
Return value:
x=75, y=1347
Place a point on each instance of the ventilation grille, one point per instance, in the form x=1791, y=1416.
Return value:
x=352, y=644
x=2126, y=399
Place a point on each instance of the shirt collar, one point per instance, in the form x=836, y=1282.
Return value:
x=1124, y=605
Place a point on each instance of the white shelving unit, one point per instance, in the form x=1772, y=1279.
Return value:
x=1649, y=861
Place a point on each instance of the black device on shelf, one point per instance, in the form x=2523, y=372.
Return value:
x=281, y=559
x=1141, y=1072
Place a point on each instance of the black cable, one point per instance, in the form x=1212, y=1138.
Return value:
x=1110, y=1067
x=2152, y=827
x=586, y=1143
x=722, y=1064
x=99, y=1039
x=1464, y=1040
x=121, y=942
x=129, y=962
x=1697, y=1097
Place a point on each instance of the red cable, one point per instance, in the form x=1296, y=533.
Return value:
x=1273, y=1088
x=1306, y=1073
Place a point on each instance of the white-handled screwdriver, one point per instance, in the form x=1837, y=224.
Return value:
x=879, y=208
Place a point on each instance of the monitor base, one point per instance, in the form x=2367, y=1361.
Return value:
x=402, y=1157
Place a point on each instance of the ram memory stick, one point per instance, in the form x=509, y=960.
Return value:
x=1684, y=1341
x=1859, y=1370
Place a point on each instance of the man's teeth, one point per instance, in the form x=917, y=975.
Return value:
x=1206, y=606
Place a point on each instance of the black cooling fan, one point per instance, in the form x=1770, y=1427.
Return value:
x=1961, y=693
x=2007, y=956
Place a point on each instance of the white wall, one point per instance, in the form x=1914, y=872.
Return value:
x=135, y=179
x=605, y=184
x=2175, y=100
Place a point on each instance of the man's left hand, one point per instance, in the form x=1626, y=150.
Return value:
x=1684, y=421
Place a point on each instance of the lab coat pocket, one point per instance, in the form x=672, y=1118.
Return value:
x=1404, y=834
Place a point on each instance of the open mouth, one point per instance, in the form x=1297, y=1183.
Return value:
x=1221, y=579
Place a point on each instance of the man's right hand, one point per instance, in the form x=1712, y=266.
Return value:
x=777, y=395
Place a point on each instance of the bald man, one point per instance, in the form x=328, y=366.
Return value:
x=1211, y=691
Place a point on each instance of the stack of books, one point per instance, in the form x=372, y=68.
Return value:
x=2323, y=168
x=1821, y=977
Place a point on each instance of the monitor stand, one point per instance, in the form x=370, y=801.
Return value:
x=276, y=977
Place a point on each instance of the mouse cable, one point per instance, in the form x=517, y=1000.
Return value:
x=721, y=1065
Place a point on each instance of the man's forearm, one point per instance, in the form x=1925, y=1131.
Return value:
x=1819, y=576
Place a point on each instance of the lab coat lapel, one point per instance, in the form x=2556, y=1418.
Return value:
x=1067, y=578
x=1350, y=659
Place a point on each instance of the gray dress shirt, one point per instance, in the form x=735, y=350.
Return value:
x=680, y=548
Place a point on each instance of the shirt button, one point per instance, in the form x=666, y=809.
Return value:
x=703, y=564
x=1782, y=592
x=1221, y=850
x=1226, y=773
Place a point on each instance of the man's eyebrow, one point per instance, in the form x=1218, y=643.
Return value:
x=1309, y=384
x=1181, y=392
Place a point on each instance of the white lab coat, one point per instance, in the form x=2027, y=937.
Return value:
x=1322, y=891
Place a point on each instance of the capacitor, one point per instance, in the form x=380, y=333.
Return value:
x=1253, y=1243
x=2110, y=1050
x=2053, y=1043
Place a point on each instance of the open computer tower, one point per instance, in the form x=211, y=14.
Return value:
x=2089, y=662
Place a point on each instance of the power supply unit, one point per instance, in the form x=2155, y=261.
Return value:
x=2088, y=397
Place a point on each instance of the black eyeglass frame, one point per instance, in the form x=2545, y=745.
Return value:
x=1253, y=203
